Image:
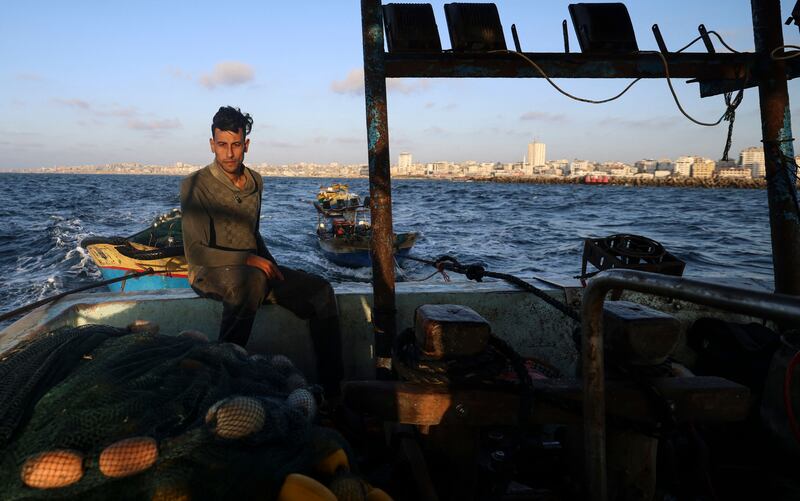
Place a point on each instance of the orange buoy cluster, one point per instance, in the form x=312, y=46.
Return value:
x=62, y=467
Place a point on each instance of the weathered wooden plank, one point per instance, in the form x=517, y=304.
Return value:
x=697, y=399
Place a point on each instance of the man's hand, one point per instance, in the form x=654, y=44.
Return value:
x=269, y=268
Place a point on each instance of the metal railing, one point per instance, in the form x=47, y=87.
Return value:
x=748, y=302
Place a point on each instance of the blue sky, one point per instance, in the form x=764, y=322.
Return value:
x=92, y=82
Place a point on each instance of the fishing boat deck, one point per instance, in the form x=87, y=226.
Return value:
x=527, y=323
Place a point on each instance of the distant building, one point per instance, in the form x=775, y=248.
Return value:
x=537, y=154
x=647, y=165
x=703, y=167
x=665, y=164
x=735, y=172
x=404, y=161
x=683, y=166
x=753, y=158
x=578, y=167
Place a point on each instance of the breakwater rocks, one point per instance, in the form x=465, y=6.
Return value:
x=675, y=182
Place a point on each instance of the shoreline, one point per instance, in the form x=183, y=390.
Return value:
x=665, y=182
x=668, y=182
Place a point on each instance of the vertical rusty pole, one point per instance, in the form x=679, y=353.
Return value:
x=776, y=129
x=380, y=188
x=594, y=395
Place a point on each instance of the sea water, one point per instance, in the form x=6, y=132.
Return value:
x=524, y=229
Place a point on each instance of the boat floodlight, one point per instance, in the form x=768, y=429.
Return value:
x=474, y=27
x=411, y=28
x=603, y=28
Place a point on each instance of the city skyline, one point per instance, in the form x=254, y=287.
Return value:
x=750, y=165
x=78, y=85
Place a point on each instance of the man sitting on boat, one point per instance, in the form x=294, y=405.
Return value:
x=229, y=261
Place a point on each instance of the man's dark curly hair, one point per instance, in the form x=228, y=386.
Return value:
x=232, y=119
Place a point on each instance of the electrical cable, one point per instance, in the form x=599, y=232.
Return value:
x=729, y=111
x=677, y=101
x=723, y=41
x=559, y=89
x=785, y=56
x=689, y=44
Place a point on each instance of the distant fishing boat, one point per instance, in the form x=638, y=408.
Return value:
x=160, y=247
x=344, y=230
x=596, y=179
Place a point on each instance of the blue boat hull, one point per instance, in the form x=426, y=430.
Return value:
x=357, y=259
x=148, y=282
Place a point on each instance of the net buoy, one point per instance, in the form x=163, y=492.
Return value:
x=128, y=457
x=349, y=487
x=333, y=462
x=194, y=334
x=236, y=417
x=237, y=348
x=52, y=469
x=299, y=487
x=303, y=399
x=281, y=362
x=296, y=381
x=378, y=495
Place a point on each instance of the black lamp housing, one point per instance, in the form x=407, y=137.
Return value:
x=603, y=28
x=474, y=27
x=411, y=27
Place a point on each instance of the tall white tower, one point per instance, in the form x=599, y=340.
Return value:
x=536, y=154
x=404, y=163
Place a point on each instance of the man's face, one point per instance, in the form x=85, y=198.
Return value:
x=229, y=149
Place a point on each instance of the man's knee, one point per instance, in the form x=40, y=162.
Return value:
x=248, y=289
x=324, y=299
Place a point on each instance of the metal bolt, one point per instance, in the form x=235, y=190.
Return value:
x=461, y=410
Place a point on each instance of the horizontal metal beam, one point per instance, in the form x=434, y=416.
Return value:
x=561, y=65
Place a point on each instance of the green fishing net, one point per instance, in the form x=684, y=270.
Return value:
x=100, y=413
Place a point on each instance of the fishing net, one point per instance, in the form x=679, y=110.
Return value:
x=101, y=413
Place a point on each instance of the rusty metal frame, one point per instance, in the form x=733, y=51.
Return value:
x=380, y=187
x=748, y=302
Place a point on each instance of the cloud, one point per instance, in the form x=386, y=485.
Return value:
x=74, y=103
x=227, y=73
x=543, y=116
x=25, y=145
x=280, y=144
x=177, y=73
x=406, y=86
x=131, y=117
x=435, y=130
x=153, y=125
x=353, y=84
x=349, y=140
x=655, y=122
x=30, y=77
x=429, y=105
